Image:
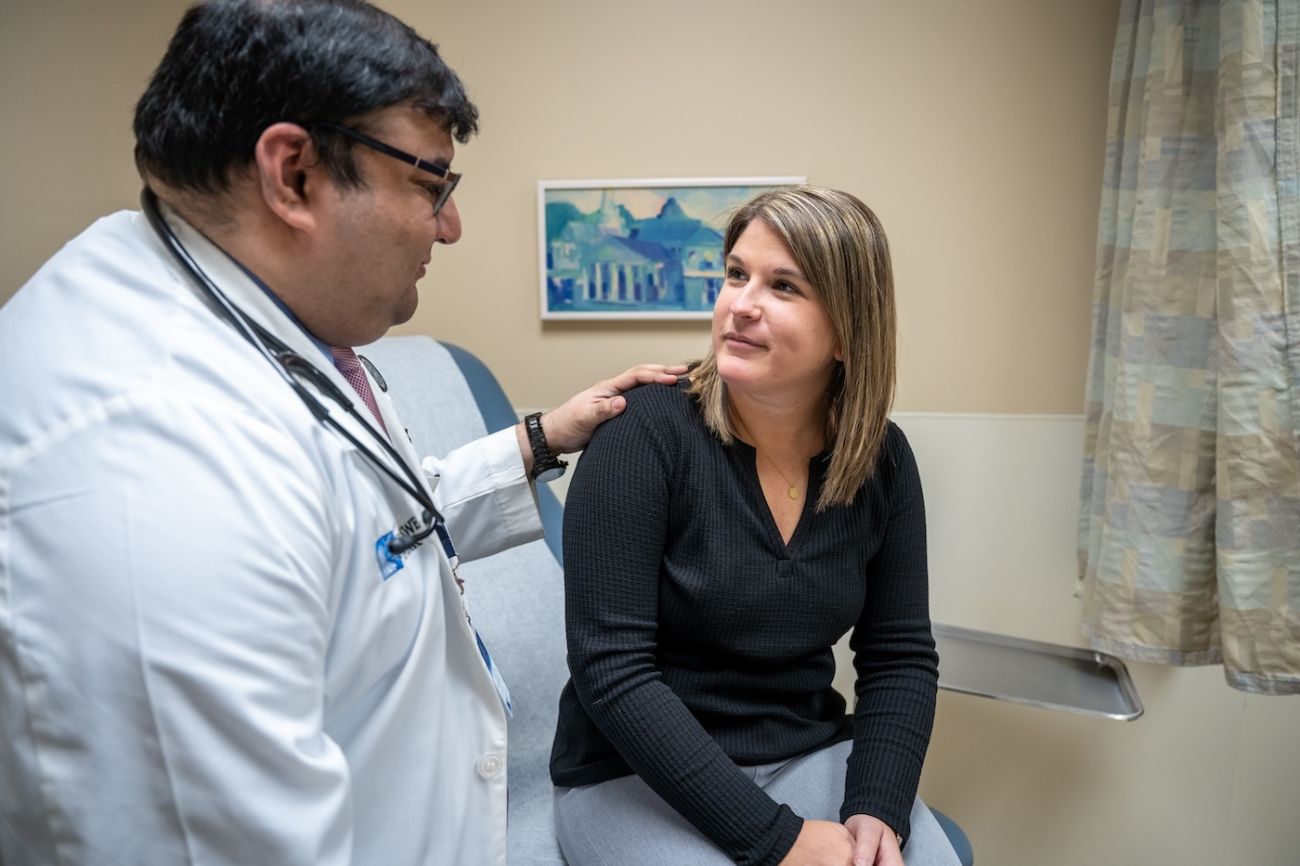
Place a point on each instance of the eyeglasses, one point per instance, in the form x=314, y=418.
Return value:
x=449, y=178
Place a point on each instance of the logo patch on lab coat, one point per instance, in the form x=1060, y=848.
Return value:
x=390, y=563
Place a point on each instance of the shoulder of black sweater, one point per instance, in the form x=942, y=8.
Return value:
x=897, y=479
x=894, y=480
x=654, y=405
x=660, y=395
x=895, y=450
x=895, y=439
x=657, y=420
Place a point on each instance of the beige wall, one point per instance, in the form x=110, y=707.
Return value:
x=974, y=129
x=70, y=73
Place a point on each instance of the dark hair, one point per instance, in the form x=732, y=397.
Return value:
x=235, y=67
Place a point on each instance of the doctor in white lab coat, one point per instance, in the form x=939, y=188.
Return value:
x=205, y=655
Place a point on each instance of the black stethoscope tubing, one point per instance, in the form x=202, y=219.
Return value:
x=290, y=365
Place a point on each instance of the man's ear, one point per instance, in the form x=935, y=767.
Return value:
x=289, y=174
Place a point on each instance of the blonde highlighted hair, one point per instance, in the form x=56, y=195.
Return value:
x=840, y=247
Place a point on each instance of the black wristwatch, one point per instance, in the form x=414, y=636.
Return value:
x=546, y=465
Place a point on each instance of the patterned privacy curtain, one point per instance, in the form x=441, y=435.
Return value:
x=1189, y=528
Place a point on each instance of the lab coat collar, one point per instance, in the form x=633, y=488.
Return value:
x=247, y=293
x=243, y=289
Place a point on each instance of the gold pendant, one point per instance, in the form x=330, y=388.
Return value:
x=793, y=492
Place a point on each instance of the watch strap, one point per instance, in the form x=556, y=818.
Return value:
x=544, y=459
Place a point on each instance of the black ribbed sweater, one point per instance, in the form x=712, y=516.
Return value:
x=699, y=640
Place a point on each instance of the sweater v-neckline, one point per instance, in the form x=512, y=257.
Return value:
x=783, y=546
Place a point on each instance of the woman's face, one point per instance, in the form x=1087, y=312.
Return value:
x=771, y=335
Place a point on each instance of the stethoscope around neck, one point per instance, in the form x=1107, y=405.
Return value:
x=294, y=368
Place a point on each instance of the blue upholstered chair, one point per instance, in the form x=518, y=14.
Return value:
x=448, y=397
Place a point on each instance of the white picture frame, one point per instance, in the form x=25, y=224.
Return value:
x=623, y=249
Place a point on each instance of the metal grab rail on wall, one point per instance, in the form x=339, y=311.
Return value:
x=1038, y=674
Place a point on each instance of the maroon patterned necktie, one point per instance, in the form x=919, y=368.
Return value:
x=350, y=366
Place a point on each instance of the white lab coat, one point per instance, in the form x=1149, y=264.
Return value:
x=199, y=659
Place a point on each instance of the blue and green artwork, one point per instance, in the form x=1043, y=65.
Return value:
x=636, y=251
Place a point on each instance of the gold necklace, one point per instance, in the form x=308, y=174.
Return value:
x=790, y=490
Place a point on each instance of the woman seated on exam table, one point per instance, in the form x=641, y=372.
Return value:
x=719, y=537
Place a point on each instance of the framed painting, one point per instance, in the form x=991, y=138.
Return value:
x=636, y=249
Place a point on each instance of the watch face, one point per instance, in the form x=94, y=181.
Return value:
x=549, y=474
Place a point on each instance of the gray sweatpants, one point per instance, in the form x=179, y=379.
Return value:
x=623, y=822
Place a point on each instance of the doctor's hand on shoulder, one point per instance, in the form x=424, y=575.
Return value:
x=568, y=427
